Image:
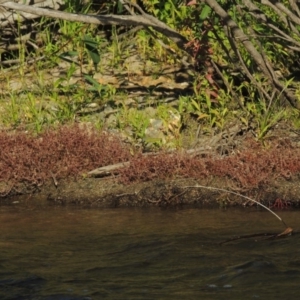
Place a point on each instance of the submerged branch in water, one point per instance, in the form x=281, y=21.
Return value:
x=265, y=236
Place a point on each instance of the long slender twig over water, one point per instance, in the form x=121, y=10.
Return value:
x=240, y=195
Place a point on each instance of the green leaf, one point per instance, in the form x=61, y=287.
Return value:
x=94, y=55
x=96, y=85
x=69, y=53
x=205, y=12
x=196, y=105
x=202, y=116
x=90, y=41
x=244, y=121
x=119, y=7
x=92, y=47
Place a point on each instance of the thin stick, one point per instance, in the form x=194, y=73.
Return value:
x=240, y=195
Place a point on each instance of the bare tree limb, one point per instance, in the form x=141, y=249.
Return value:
x=263, y=65
x=10, y=17
x=145, y=20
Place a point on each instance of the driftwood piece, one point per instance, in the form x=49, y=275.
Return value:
x=108, y=170
x=209, y=148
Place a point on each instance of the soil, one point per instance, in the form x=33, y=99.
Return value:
x=105, y=193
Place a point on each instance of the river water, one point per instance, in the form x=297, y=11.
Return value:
x=61, y=253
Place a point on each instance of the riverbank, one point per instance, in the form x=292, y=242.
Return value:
x=128, y=116
x=99, y=193
x=78, y=165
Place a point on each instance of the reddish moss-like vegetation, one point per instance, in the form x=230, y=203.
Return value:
x=68, y=151
x=248, y=168
x=163, y=166
x=72, y=151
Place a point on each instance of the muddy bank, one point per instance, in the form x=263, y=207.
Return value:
x=107, y=193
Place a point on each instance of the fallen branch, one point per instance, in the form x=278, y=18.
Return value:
x=206, y=149
x=108, y=170
x=10, y=17
x=136, y=20
x=265, y=236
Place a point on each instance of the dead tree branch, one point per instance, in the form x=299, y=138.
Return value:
x=262, y=63
x=136, y=20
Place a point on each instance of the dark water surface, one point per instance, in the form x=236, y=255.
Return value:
x=63, y=254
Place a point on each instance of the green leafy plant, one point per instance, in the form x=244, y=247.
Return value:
x=134, y=120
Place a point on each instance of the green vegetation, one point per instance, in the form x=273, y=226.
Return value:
x=58, y=81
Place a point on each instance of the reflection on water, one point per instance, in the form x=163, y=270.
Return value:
x=64, y=254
